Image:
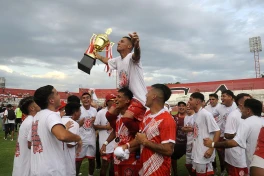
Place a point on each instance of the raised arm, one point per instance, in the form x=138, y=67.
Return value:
x=135, y=41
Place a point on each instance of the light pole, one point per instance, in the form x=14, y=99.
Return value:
x=256, y=47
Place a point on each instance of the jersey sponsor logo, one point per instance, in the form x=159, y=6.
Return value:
x=17, y=152
x=87, y=123
x=123, y=79
x=36, y=141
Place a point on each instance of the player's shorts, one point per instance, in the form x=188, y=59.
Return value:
x=136, y=109
x=108, y=157
x=236, y=171
x=88, y=147
x=179, y=151
x=188, y=160
x=203, y=169
x=127, y=169
x=257, y=162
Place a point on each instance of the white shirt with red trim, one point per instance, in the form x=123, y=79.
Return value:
x=235, y=156
x=22, y=154
x=204, y=127
x=247, y=136
x=87, y=131
x=130, y=75
x=221, y=113
x=47, y=156
x=103, y=134
x=159, y=128
x=70, y=153
x=260, y=144
x=189, y=121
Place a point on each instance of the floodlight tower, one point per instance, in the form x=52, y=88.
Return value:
x=255, y=47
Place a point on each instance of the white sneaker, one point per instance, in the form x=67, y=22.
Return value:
x=11, y=139
x=80, y=173
x=5, y=138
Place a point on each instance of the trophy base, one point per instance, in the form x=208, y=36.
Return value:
x=86, y=63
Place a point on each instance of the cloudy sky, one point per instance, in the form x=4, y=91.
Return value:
x=181, y=41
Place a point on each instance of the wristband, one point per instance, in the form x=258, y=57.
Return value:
x=128, y=145
x=213, y=144
x=105, y=143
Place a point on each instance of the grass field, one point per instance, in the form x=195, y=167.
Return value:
x=7, y=150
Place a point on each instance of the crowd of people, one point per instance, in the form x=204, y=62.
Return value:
x=137, y=134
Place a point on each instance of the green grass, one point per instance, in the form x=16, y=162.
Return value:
x=7, y=150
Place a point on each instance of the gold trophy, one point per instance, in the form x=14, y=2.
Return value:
x=97, y=43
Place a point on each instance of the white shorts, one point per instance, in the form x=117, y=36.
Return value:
x=257, y=162
x=88, y=151
x=88, y=146
x=203, y=168
x=188, y=160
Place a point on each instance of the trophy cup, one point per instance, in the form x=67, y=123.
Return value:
x=98, y=43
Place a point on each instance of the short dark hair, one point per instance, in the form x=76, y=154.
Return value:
x=9, y=106
x=165, y=90
x=126, y=92
x=198, y=95
x=86, y=93
x=181, y=102
x=129, y=38
x=71, y=108
x=254, y=105
x=73, y=99
x=213, y=95
x=24, y=104
x=241, y=95
x=229, y=92
x=41, y=96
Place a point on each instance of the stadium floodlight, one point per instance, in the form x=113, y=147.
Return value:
x=255, y=44
x=256, y=47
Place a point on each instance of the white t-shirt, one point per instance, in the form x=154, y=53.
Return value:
x=220, y=114
x=70, y=153
x=103, y=134
x=87, y=131
x=204, y=127
x=247, y=136
x=210, y=108
x=22, y=154
x=189, y=121
x=130, y=75
x=235, y=156
x=47, y=156
x=8, y=121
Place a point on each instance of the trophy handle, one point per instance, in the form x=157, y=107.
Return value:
x=111, y=44
x=92, y=38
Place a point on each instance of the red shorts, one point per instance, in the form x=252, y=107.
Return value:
x=127, y=169
x=107, y=157
x=235, y=171
x=136, y=109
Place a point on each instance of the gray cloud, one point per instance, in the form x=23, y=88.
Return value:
x=184, y=41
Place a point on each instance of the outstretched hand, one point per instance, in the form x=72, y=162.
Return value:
x=134, y=39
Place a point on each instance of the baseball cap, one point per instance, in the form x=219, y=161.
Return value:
x=109, y=97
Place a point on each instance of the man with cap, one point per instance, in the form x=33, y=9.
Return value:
x=105, y=129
